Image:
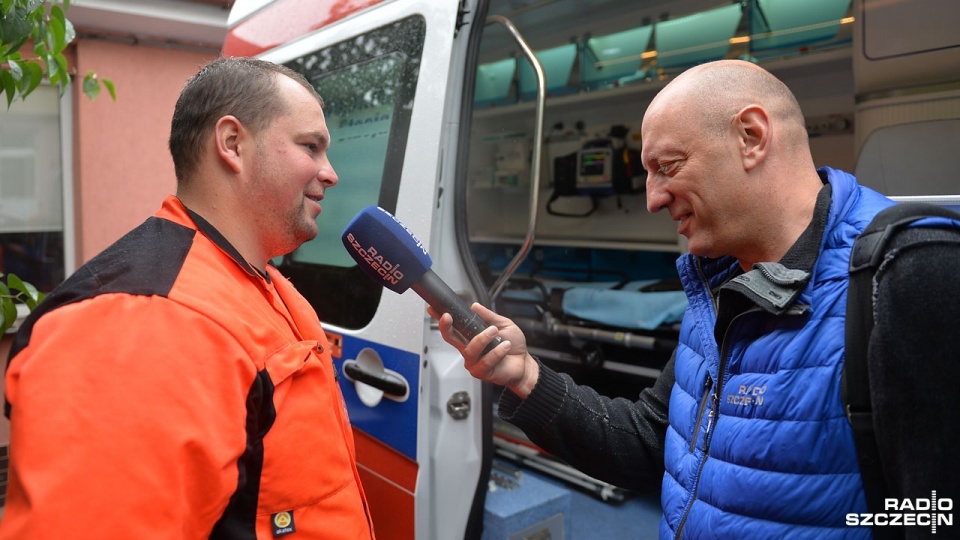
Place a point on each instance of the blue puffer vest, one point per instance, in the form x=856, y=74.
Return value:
x=758, y=444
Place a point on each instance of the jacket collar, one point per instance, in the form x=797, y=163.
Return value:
x=774, y=286
x=174, y=209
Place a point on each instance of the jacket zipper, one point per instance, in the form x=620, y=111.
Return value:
x=712, y=419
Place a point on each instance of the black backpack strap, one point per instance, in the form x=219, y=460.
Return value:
x=867, y=255
x=870, y=246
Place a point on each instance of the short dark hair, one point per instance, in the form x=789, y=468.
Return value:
x=242, y=87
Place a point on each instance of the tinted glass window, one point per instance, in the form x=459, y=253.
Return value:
x=367, y=84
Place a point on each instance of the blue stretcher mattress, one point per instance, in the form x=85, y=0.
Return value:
x=624, y=307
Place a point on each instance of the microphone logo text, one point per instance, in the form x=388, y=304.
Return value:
x=387, y=271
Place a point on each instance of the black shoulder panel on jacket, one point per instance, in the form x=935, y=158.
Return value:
x=145, y=261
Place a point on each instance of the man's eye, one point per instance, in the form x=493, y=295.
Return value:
x=668, y=169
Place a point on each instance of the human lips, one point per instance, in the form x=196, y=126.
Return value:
x=682, y=220
x=315, y=198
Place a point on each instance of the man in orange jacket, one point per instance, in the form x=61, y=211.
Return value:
x=177, y=386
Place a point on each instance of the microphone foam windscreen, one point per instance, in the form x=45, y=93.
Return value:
x=385, y=249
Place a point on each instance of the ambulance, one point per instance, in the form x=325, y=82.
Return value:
x=504, y=134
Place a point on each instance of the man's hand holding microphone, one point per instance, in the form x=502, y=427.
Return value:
x=494, y=349
x=508, y=364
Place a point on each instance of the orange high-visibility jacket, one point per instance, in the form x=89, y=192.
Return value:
x=168, y=389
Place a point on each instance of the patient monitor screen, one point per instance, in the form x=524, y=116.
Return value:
x=595, y=167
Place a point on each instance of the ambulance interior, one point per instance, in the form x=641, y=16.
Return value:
x=593, y=284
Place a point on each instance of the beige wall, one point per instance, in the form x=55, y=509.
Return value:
x=122, y=168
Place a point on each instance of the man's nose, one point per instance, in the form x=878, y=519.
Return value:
x=657, y=197
x=327, y=176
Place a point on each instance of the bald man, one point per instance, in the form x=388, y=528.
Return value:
x=744, y=431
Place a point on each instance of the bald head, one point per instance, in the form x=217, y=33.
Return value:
x=713, y=93
x=727, y=154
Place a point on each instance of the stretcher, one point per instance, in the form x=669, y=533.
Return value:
x=613, y=325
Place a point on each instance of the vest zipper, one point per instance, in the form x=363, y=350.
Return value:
x=708, y=385
x=713, y=417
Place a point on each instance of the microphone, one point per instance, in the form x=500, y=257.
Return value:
x=393, y=257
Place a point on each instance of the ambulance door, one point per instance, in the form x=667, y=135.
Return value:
x=383, y=73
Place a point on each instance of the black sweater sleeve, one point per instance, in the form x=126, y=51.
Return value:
x=615, y=440
x=914, y=364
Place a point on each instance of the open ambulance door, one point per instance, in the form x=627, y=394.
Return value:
x=384, y=70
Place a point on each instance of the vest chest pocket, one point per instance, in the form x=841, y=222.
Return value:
x=306, y=454
x=289, y=360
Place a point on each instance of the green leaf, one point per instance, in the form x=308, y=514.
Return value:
x=15, y=69
x=45, y=24
x=10, y=49
x=33, y=78
x=9, y=86
x=110, y=88
x=91, y=87
x=56, y=12
x=16, y=27
x=40, y=49
x=64, y=72
x=69, y=34
x=8, y=310
x=15, y=283
x=7, y=319
x=52, y=67
x=38, y=27
x=32, y=295
x=9, y=313
x=57, y=33
x=49, y=33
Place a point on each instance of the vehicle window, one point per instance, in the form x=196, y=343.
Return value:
x=367, y=84
x=912, y=159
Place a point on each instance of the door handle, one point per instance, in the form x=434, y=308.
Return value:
x=392, y=385
x=373, y=381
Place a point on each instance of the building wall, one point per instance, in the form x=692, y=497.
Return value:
x=122, y=167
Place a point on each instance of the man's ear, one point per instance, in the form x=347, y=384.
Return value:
x=753, y=129
x=227, y=135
